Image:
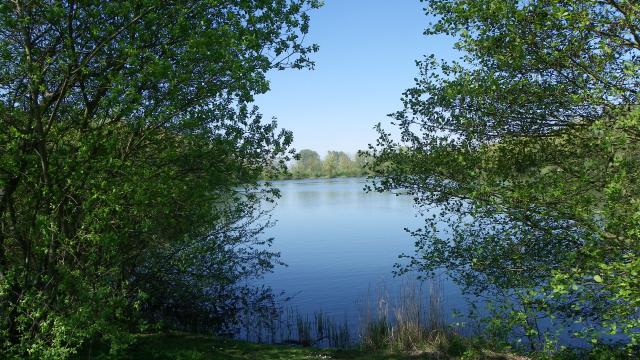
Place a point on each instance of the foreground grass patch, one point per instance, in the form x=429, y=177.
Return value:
x=195, y=347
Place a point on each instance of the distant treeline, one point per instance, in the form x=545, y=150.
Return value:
x=308, y=164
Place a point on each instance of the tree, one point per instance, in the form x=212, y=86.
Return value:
x=308, y=164
x=360, y=163
x=336, y=163
x=345, y=164
x=127, y=141
x=528, y=148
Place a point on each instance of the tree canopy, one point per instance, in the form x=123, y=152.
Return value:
x=528, y=148
x=308, y=164
x=129, y=155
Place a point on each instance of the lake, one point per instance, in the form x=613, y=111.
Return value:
x=340, y=244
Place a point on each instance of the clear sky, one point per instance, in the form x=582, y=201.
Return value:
x=366, y=60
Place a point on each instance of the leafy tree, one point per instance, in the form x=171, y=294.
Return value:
x=330, y=164
x=360, y=162
x=528, y=149
x=129, y=157
x=335, y=163
x=308, y=164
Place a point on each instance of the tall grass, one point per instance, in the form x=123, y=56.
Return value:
x=414, y=320
x=292, y=327
x=409, y=319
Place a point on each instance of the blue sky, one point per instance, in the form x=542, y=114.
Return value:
x=366, y=60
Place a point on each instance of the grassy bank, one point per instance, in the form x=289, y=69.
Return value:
x=409, y=326
x=195, y=347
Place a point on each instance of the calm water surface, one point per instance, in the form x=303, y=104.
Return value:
x=340, y=243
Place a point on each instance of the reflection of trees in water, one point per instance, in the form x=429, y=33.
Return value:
x=349, y=190
x=333, y=196
x=306, y=197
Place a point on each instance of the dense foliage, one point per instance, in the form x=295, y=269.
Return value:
x=335, y=164
x=529, y=149
x=128, y=163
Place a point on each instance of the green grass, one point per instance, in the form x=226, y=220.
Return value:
x=195, y=347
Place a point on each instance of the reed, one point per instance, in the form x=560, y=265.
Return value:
x=340, y=336
x=303, y=326
x=412, y=321
x=320, y=330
